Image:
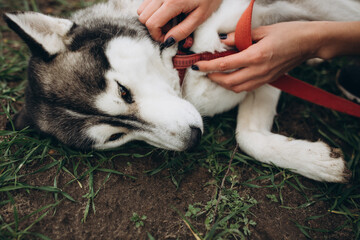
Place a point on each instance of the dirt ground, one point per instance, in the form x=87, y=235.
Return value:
x=156, y=197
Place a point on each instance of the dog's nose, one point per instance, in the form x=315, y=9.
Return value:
x=195, y=137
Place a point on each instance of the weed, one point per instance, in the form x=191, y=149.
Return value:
x=227, y=205
x=272, y=197
x=193, y=211
x=233, y=215
x=138, y=220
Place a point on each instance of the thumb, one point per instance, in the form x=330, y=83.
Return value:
x=259, y=33
x=256, y=35
x=230, y=39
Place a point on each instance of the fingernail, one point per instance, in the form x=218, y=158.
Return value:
x=195, y=67
x=223, y=36
x=169, y=42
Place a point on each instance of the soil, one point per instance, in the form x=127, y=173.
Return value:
x=157, y=197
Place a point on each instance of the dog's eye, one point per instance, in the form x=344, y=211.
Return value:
x=115, y=137
x=125, y=93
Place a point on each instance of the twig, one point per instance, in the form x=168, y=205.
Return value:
x=223, y=180
x=342, y=213
x=195, y=235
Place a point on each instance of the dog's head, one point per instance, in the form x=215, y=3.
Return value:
x=100, y=83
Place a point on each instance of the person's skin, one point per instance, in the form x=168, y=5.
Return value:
x=155, y=14
x=278, y=49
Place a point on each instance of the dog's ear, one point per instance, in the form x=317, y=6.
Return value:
x=43, y=34
x=20, y=120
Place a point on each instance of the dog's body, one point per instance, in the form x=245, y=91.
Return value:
x=99, y=81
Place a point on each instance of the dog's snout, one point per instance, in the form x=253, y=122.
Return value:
x=195, y=137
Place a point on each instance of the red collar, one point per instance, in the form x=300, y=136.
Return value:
x=182, y=61
x=285, y=83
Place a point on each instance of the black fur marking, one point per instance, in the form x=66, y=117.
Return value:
x=96, y=39
x=62, y=84
x=119, y=121
x=115, y=123
x=72, y=29
x=99, y=35
x=71, y=132
x=57, y=123
x=99, y=54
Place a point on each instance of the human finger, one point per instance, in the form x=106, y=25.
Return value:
x=248, y=86
x=150, y=9
x=231, y=62
x=259, y=33
x=241, y=80
x=256, y=35
x=229, y=40
x=160, y=18
x=143, y=6
x=229, y=80
x=186, y=27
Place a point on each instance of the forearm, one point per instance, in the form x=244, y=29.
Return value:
x=278, y=49
x=337, y=39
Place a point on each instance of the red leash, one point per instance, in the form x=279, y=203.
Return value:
x=285, y=83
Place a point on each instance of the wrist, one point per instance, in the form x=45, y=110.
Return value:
x=309, y=38
x=315, y=40
x=337, y=38
x=326, y=46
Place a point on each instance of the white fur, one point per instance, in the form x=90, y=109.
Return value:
x=134, y=65
x=258, y=108
x=44, y=29
x=154, y=83
x=169, y=112
x=103, y=132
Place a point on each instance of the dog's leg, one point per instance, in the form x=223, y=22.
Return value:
x=314, y=160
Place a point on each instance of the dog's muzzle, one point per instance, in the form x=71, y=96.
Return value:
x=195, y=138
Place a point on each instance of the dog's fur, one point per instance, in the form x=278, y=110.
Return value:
x=99, y=81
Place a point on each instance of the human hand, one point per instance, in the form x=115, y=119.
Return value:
x=278, y=49
x=155, y=14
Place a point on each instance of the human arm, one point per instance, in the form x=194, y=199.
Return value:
x=278, y=49
x=155, y=14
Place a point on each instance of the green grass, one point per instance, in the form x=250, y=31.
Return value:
x=231, y=211
x=22, y=150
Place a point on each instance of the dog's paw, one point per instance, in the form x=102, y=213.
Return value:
x=325, y=164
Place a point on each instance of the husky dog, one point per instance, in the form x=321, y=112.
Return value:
x=98, y=81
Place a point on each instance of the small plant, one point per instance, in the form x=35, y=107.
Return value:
x=229, y=217
x=138, y=220
x=272, y=197
x=193, y=211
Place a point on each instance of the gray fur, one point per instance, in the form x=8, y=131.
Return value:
x=69, y=81
x=63, y=85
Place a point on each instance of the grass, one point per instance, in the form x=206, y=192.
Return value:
x=232, y=211
x=24, y=154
